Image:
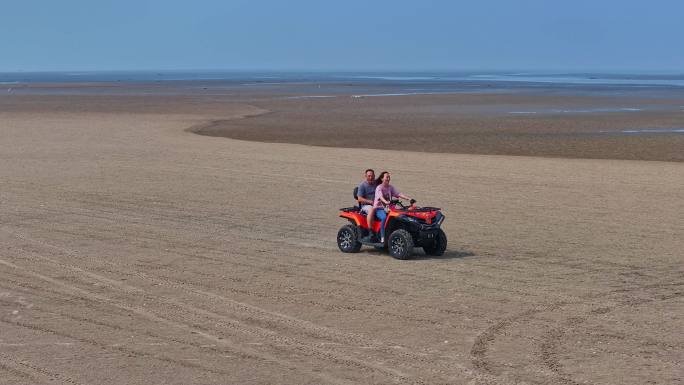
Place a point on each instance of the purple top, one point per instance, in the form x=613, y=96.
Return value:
x=386, y=193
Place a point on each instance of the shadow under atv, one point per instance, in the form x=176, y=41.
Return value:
x=449, y=254
x=420, y=255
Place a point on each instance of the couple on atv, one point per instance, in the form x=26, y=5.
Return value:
x=375, y=196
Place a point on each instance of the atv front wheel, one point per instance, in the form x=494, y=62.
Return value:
x=400, y=244
x=348, y=239
x=438, y=246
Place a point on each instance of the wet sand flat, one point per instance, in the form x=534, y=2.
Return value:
x=135, y=251
x=492, y=124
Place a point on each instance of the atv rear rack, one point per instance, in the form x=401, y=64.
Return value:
x=419, y=209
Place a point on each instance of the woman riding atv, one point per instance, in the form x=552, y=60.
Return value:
x=384, y=194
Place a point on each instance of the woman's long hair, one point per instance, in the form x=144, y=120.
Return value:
x=378, y=181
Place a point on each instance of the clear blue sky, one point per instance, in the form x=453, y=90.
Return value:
x=341, y=35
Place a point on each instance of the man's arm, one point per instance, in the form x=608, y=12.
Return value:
x=361, y=196
x=364, y=201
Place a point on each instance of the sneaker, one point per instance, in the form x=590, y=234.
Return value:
x=382, y=240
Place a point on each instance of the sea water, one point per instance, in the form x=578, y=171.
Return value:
x=406, y=78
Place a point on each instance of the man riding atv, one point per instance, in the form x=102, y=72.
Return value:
x=365, y=195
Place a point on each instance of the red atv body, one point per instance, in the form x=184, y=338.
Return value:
x=405, y=227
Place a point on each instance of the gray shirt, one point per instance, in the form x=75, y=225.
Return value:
x=367, y=190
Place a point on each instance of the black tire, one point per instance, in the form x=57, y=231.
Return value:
x=439, y=246
x=348, y=239
x=400, y=244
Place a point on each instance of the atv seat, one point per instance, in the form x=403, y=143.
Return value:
x=356, y=196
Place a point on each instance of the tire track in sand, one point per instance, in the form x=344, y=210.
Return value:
x=33, y=372
x=337, y=339
x=551, y=339
x=485, y=339
x=306, y=349
x=164, y=321
x=331, y=337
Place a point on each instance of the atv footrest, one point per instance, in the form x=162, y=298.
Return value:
x=377, y=245
x=371, y=241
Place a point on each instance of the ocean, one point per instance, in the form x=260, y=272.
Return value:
x=483, y=78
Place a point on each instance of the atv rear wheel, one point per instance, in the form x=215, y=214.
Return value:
x=348, y=239
x=438, y=247
x=400, y=244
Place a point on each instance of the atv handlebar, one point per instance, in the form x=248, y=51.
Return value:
x=401, y=204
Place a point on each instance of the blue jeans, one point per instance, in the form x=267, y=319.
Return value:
x=382, y=216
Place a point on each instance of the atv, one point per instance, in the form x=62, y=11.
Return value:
x=405, y=227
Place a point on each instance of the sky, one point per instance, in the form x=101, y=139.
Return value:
x=349, y=35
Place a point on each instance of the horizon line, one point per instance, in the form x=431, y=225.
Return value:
x=320, y=70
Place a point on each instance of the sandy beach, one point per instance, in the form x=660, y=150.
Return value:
x=133, y=250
